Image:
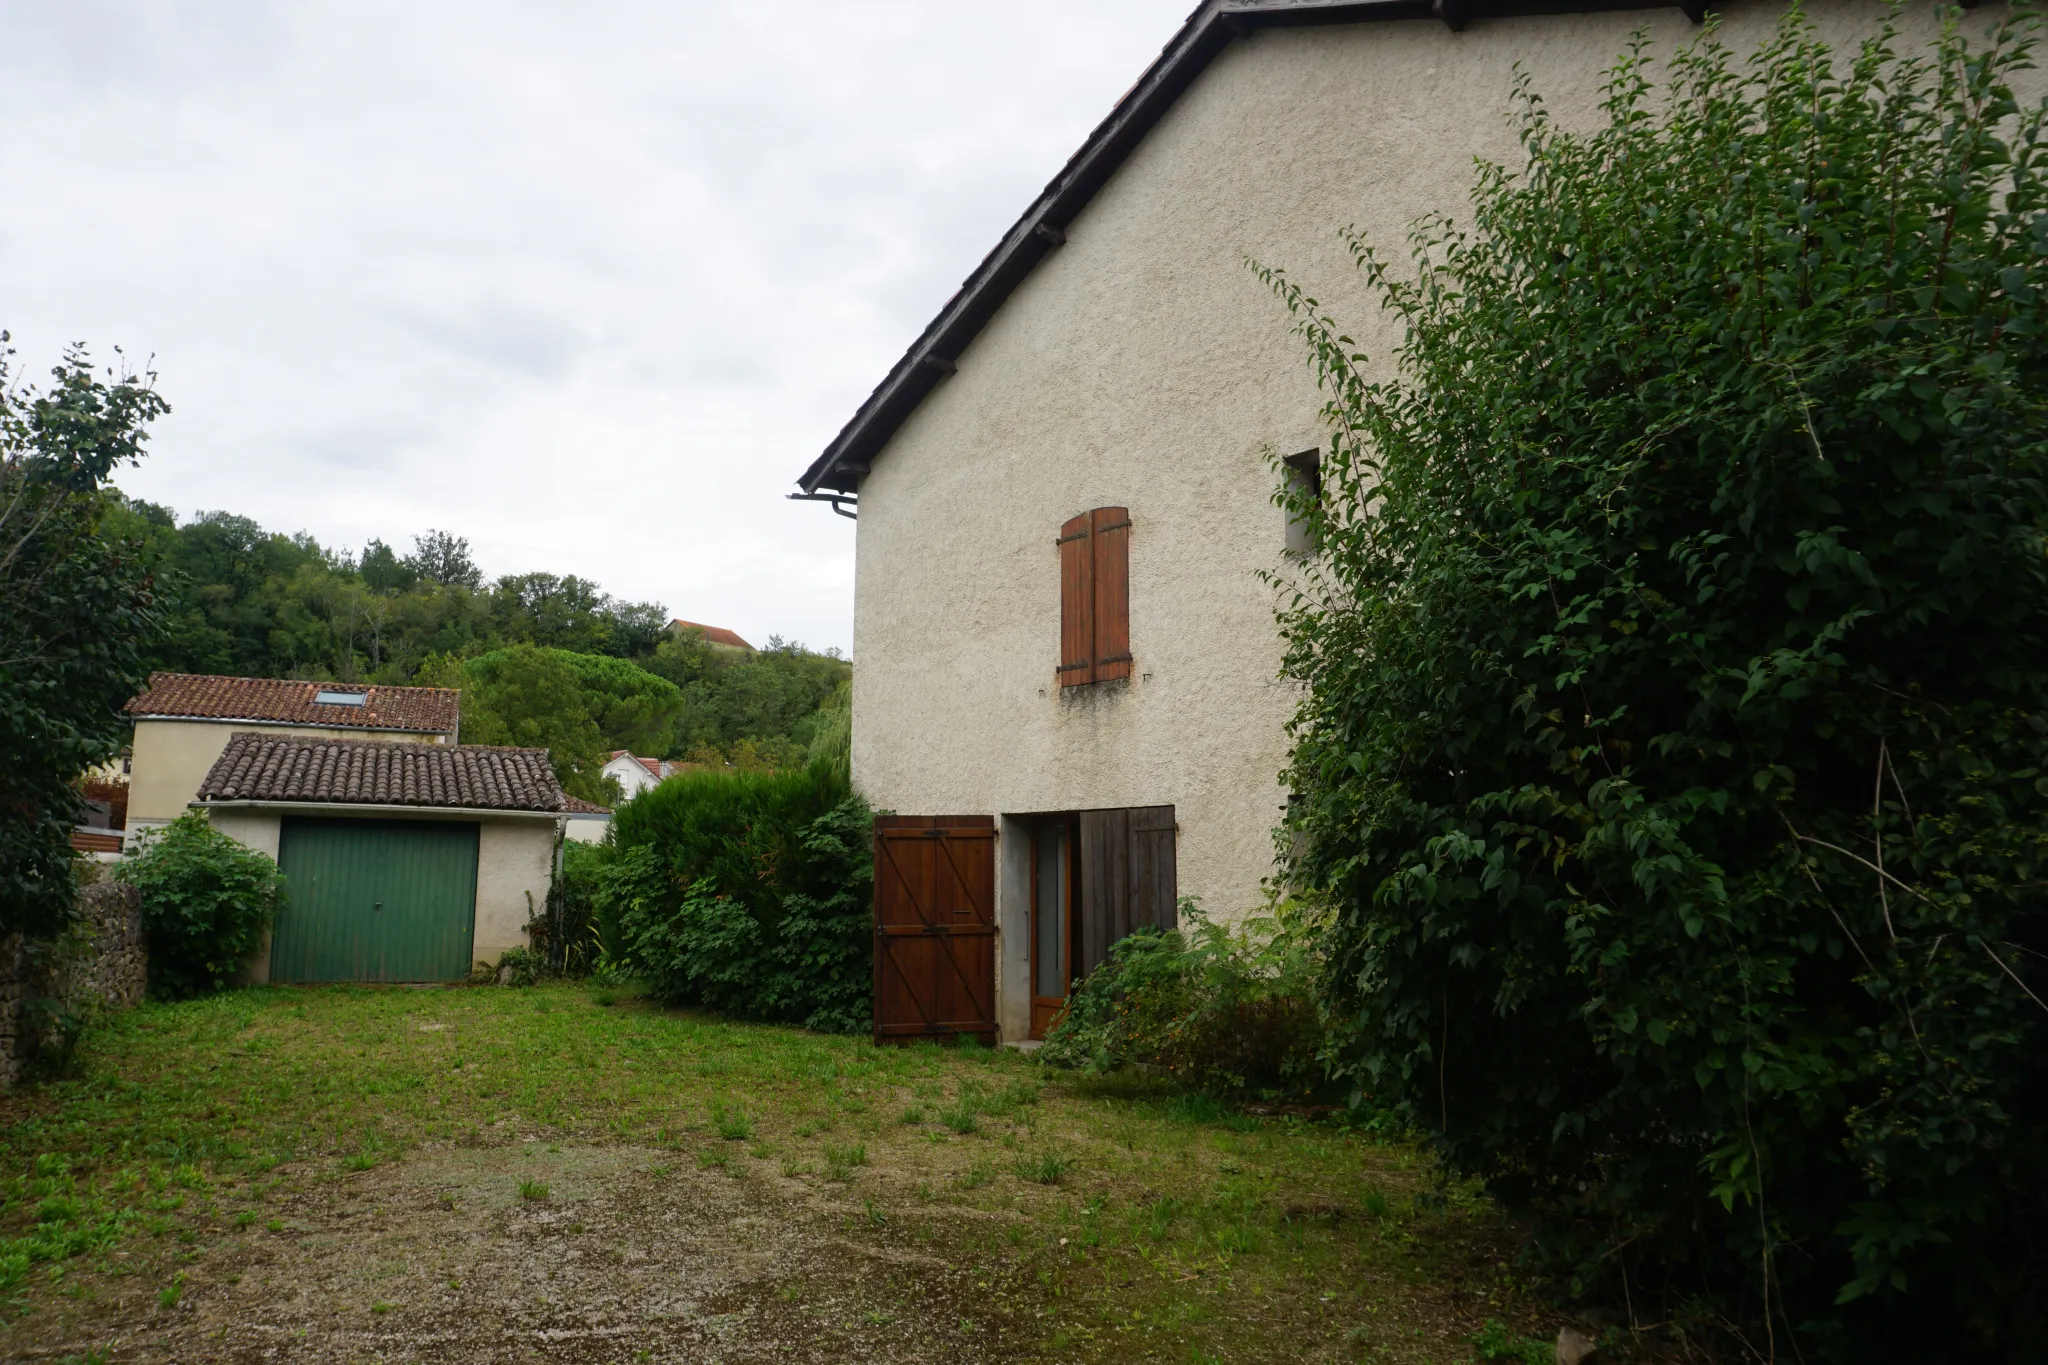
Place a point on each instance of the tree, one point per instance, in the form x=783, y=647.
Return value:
x=442, y=557
x=532, y=698
x=77, y=612
x=1675, y=714
x=383, y=571
x=630, y=707
x=774, y=694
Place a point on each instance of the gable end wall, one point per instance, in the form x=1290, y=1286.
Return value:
x=1142, y=365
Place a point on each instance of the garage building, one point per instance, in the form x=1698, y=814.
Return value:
x=404, y=862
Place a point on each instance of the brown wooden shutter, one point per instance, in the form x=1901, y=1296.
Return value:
x=935, y=929
x=1128, y=877
x=1155, y=888
x=1077, y=602
x=1112, y=545
x=1105, y=883
x=1095, y=597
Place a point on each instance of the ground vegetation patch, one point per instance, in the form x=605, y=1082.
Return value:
x=493, y=1174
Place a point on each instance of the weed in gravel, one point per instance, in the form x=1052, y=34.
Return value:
x=912, y=1114
x=1047, y=1168
x=960, y=1118
x=533, y=1191
x=840, y=1161
x=712, y=1161
x=975, y=1176
x=733, y=1124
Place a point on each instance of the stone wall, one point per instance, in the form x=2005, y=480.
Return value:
x=100, y=965
x=114, y=970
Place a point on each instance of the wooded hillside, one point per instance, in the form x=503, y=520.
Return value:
x=543, y=658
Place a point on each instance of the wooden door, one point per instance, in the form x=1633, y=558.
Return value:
x=375, y=900
x=935, y=927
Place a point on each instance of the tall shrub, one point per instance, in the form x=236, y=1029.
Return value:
x=749, y=894
x=206, y=903
x=1676, y=705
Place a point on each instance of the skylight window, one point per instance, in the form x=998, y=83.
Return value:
x=340, y=698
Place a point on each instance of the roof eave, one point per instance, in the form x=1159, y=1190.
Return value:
x=377, y=807
x=1213, y=26
x=296, y=724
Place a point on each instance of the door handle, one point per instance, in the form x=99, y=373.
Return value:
x=377, y=906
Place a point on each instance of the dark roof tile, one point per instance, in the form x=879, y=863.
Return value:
x=366, y=772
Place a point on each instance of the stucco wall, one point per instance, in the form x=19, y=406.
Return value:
x=631, y=776
x=515, y=861
x=262, y=830
x=172, y=757
x=515, y=858
x=586, y=829
x=1142, y=365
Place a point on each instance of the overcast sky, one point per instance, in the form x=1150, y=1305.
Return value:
x=587, y=283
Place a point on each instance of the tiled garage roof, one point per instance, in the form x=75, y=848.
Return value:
x=367, y=773
x=284, y=701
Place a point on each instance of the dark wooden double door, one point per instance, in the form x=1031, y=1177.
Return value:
x=1095, y=877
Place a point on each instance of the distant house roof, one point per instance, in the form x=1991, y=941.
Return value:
x=1213, y=26
x=656, y=768
x=576, y=805
x=365, y=772
x=282, y=701
x=717, y=635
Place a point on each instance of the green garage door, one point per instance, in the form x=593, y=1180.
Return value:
x=375, y=900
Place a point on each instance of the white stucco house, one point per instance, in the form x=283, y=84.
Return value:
x=635, y=774
x=1069, y=687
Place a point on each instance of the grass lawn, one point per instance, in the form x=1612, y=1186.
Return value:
x=565, y=1173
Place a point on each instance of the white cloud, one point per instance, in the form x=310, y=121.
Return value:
x=589, y=284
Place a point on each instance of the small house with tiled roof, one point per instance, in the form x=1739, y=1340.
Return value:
x=403, y=862
x=183, y=722
x=718, y=637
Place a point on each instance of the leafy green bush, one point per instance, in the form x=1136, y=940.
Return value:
x=1230, y=1012
x=206, y=902
x=748, y=893
x=1675, y=705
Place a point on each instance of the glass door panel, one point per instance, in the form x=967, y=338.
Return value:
x=1051, y=911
